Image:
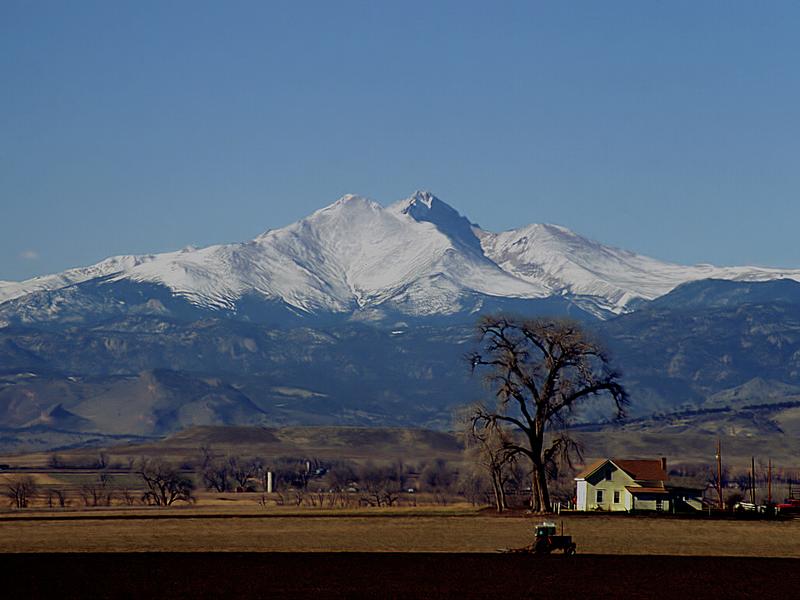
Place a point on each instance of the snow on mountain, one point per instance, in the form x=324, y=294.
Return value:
x=425, y=207
x=367, y=255
x=350, y=255
x=116, y=264
x=418, y=256
x=607, y=277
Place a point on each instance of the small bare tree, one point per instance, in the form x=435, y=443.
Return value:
x=540, y=370
x=165, y=484
x=242, y=472
x=21, y=491
x=472, y=485
x=56, y=497
x=341, y=475
x=99, y=492
x=128, y=498
x=379, y=486
x=487, y=443
x=214, y=471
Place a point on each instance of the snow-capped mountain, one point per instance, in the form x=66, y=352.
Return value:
x=599, y=276
x=418, y=257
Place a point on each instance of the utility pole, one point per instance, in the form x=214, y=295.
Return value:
x=752, y=480
x=719, y=475
x=769, y=483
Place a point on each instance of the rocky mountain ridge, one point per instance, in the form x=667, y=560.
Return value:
x=416, y=258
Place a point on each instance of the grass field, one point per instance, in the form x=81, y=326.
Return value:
x=386, y=530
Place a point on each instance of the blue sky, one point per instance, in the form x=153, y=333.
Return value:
x=668, y=128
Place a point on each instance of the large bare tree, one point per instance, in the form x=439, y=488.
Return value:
x=540, y=370
x=21, y=491
x=165, y=484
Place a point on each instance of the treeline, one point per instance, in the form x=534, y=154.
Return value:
x=331, y=482
x=483, y=476
x=345, y=483
x=296, y=481
x=158, y=483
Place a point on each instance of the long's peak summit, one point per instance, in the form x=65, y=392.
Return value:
x=423, y=197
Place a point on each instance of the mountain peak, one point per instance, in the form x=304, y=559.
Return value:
x=423, y=197
x=423, y=206
x=422, y=203
x=355, y=200
x=419, y=253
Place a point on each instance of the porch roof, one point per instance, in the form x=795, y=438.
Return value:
x=635, y=490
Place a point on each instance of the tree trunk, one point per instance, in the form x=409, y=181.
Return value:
x=498, y=498
x=540, y=495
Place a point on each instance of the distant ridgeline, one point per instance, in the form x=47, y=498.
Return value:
x=361, y=315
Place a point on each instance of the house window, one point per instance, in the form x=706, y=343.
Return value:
x=608, y=475
x=599, y=496
x=616, y=496
x=659, y=504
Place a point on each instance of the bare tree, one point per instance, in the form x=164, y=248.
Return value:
x=56, y=497
x=379, y=485
x=214, y=471
x=127, y=495
x=242, y=471
x=291, y=472
x=165, y=484
x=486, y=444
x=399, y=473
x=99, y=492
x=341, y=474
x=437, y=476
x=540, y=370
x=21, y=491
x=473, y=486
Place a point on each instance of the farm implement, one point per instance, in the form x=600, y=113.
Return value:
x=547, y=541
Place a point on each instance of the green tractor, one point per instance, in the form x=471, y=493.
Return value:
x=547, y=541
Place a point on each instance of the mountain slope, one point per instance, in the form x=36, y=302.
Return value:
x=608, y=278
x=706, y=337
x=148, y=374
x=418, y=257
x=350, y=256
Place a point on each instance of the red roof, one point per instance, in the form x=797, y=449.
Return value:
x=639, y=470
x=591, y=468
x=643, y=470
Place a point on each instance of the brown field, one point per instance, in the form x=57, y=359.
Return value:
x=448, y=529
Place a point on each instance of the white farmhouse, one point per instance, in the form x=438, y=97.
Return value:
x=617, y=485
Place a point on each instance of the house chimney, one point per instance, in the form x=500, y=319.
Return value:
x=664, y=464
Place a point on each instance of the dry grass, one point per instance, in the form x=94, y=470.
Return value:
x=389, y=530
